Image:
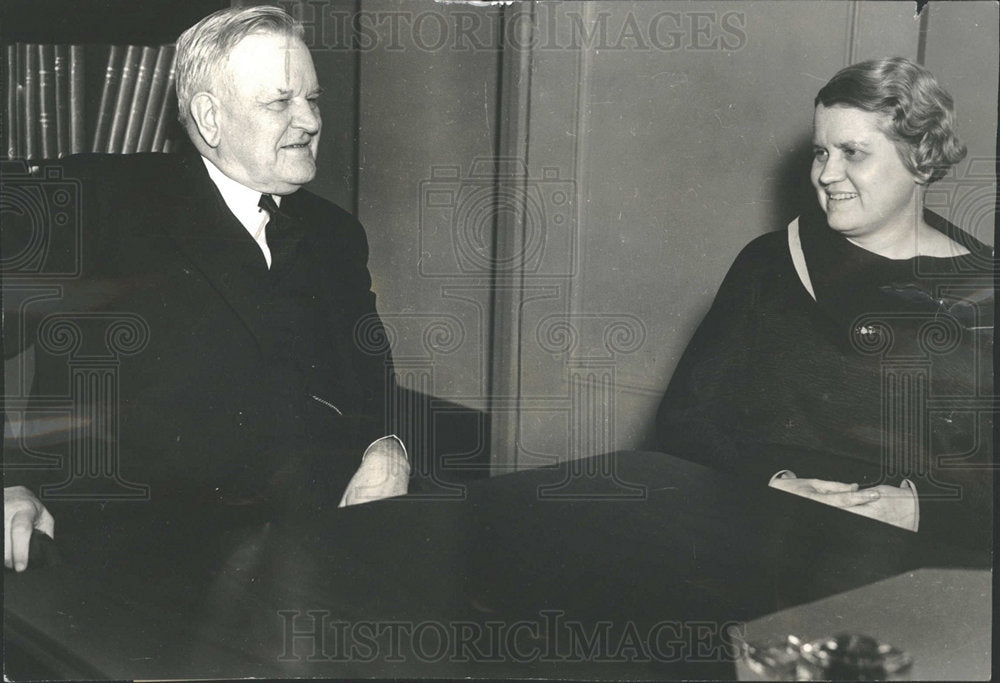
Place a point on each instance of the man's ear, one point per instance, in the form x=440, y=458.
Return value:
x=204, y=111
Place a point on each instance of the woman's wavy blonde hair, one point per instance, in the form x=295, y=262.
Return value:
x=920, y=111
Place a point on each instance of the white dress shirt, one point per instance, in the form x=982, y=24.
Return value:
x=243, y=201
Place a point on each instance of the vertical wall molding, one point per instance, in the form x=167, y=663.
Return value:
x=356, y=123
x=851, y=42
x=925, y=16
x=580, y=158
x=513, y=120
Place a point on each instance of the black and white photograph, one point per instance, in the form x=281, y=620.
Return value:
x=514, y=339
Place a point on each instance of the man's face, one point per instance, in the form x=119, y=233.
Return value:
x=268, y=117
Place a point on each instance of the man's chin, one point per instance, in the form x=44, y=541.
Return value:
x=293, y=181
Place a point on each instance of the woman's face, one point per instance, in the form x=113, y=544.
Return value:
x=867, y=192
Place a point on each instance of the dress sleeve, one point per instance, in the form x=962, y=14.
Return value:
x=695, y=416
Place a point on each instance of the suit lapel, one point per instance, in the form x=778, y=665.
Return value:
x=207, y=232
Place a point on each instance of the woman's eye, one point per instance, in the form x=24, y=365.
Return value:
x=277, y=105
x=819, y=154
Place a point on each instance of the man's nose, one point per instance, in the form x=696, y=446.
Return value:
x=305, y=116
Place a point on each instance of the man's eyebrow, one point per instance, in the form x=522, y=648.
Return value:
x=285, y=92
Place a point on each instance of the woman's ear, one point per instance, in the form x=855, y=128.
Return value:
x=204, y=111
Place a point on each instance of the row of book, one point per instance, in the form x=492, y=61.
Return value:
x=52, y=95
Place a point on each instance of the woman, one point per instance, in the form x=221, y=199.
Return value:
x=854, y=349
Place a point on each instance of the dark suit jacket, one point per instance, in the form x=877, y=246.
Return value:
x=229, y=380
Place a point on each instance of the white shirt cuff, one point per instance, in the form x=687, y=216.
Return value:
x=380, y=440
x=909, y=485
x=782, y=474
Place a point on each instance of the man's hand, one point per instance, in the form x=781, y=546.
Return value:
x=889, y=504
x=22, y=513
x=384, y=473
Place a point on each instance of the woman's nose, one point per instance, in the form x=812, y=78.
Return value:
x=831, y=171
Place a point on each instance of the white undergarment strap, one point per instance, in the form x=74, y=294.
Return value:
x=798, y=258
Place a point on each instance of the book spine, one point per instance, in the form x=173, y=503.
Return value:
x=140, y=98
x=111, y=76
x=76, y=101
x=168, y=108
x=22, y=53
x=157, y=91
x=10, y=124
x=46, y=100
x=119, y=119
x=62, y=100
x=30, y=101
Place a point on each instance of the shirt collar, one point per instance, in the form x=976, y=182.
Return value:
x=240, y=199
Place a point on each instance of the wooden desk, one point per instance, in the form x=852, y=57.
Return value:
x=540, y=573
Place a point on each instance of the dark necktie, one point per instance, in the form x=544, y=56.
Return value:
x=276, y=232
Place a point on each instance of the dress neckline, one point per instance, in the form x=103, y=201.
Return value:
x=851, y=283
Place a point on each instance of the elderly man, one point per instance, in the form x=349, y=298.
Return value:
x=263, y=374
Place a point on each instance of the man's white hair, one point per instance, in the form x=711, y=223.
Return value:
x=203, y=49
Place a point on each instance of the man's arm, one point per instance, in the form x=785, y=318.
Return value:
x=56, y=266
x=385, y=466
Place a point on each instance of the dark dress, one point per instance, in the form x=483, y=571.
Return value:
x=886, y=375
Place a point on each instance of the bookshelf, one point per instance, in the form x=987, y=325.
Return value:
x=91, y=75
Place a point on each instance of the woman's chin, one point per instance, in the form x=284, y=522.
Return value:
x=841, y=223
